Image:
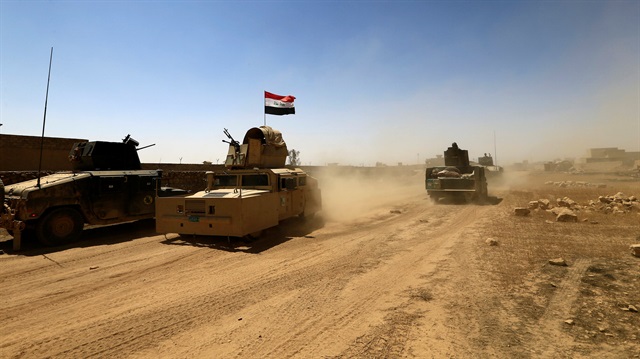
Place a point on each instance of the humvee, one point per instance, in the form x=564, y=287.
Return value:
x=106, y=186
x=254, y=191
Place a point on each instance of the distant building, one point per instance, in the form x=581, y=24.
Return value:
x=611, y=154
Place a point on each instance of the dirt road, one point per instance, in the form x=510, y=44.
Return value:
x=403, y=278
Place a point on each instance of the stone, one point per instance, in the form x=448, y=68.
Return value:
x=632, y=308
x=544, y=203
x=635, y=249
x=491, y=242
x=569, y=322
x=619, y=196
x=605, y=200
x=522, y=211
x=558, y=262
x=533, y=204
x=566, y=216
x=565, y=202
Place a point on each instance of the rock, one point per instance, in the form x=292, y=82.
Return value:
x=619, y=196
x=491, y=242
x=550, y=222
x=569, y=321
x=558, y=262
x=632, y=308
x=566, y=216
x=544, y=203
x=396, y=211
x=522, y=211
x=565, y=202
x=533, y=204
x=635, y=249
x=605, y=200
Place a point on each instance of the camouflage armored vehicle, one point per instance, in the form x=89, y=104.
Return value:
x=457, y=180
x=106, y=186
x=254, y=192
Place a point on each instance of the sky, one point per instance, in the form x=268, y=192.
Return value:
x=374, y=81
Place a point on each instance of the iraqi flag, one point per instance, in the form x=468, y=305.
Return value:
x=278, y=105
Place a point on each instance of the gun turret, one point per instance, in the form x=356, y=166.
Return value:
x=262, y=147
x=231, y=141
x=100, y=155
x=454, y=156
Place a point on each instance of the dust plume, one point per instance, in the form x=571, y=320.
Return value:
x=352, y=192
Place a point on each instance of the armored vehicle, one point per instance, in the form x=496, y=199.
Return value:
x=106, y=186
x=457, y=180
x=491, y=169
x=254, y=191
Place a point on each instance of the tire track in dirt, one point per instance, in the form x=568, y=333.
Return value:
x=62, y=302
x=309, y=292
x=384, y=288
x=549, y=337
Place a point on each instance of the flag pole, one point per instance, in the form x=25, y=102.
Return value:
x=264, y=111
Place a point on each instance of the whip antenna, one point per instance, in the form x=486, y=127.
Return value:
x=44, y=119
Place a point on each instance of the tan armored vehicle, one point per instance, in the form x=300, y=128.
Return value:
x=254, y=192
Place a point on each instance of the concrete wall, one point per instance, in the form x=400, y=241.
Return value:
x=22, y=153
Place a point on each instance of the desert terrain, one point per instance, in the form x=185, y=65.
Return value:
x=382, y=272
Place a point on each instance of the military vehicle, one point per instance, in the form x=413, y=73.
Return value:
x=457, y=180
x=254, y=191
x=106, y=186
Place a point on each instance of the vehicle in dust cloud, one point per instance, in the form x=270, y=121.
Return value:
x=457, y=181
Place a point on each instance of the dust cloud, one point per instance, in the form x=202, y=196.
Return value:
x=352, y=192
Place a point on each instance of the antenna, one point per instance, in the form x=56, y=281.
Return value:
x=495, y=154
x=44, y=119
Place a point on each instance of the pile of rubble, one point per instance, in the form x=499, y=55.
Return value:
x=565, y=208
x=575, y=184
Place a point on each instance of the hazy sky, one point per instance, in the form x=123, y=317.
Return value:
x=387, y=81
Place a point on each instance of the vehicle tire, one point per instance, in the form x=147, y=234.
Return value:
x=60, y=226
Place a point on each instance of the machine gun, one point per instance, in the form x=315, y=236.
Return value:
x=232, y=142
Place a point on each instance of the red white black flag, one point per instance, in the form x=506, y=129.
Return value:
x=278, y=105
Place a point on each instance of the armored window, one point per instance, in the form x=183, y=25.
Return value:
x=226, y=181
x=255, y=180
x=288, y=183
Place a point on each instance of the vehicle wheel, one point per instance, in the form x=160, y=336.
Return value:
x=63, y=225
